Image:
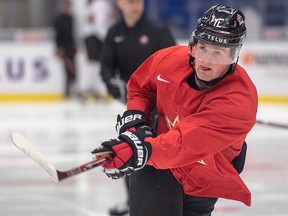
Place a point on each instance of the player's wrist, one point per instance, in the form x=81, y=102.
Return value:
x=142, y=150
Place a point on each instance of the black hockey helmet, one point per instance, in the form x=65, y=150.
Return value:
x=220, y=25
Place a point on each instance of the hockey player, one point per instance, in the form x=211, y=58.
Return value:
x=207, y=105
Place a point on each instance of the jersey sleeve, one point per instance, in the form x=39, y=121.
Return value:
x=142, y=87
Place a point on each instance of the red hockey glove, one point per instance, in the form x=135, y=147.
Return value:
x=130, y=120
x=130, y=152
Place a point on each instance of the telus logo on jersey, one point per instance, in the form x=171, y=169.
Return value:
x=139, y=147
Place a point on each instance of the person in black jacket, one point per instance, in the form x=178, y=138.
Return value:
x=128, y=43
x=65, y=43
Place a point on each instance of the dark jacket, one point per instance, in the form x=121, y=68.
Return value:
x=64, y=38
x=126, y=48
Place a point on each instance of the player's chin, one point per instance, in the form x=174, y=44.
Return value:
x=206, y=75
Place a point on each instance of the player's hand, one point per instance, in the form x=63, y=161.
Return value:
x=130, y=152
x=60, y=53
x=114, y=91
x=130, y=120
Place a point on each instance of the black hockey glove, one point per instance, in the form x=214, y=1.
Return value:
x=114, y=91
x=130, y=120
x=117, y=88
x=130, y=152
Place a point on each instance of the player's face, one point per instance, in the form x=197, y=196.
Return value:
x=132, y=10
x=211, y=61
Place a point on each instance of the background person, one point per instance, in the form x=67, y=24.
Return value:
x=128, y=43
x=65, y=44
x=100, y=15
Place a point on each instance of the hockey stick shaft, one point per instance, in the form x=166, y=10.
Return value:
x=273, y=124
x=82, y=168
x=25, y=146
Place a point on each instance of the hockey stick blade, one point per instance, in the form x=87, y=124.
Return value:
x=25, y=146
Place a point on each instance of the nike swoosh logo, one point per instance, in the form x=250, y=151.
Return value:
x=162, y=80
x=119, y=39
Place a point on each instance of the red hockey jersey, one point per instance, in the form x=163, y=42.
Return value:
x=199, y=131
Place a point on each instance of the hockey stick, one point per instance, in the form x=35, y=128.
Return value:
x=25, y=146
x=273, y=124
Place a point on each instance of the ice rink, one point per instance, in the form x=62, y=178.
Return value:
x=66, y=132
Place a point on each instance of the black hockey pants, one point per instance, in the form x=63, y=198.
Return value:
x=157, y=193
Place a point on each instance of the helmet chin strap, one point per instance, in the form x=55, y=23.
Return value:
x=234, y=65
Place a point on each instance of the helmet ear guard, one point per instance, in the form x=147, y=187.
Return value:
x=192, y=42
x=234, y=51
